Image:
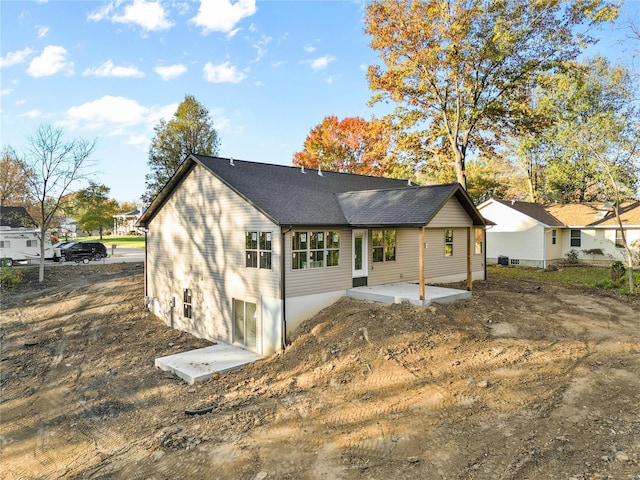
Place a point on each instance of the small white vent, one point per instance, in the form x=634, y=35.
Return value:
x=514, y=261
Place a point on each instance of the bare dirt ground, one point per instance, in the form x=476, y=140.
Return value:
x=523, y=381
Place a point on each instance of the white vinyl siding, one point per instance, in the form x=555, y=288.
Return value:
x=198, y=239
x=452, y=214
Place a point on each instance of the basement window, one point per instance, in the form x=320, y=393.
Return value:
x=187, y=311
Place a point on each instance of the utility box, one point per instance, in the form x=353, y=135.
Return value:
x=502, y=260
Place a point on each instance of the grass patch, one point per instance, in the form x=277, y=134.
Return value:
x=130, y=241
x=10, y=277
x=574, y=275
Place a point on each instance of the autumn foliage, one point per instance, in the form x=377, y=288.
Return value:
x=351, y=145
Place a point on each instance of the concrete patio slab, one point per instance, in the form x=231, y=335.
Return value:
x=201, y=364
x=401, y=292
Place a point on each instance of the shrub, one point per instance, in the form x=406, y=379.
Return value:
x=617, y=270
x=572, y=256
x=10, y=277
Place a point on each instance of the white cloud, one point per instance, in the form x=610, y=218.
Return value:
x=14, y=58
x=222, y=73
x=321, y=63
x=222, y=15
x=5, y=91
x=52, y=60
x=108, y=69
x=32, y=114
x=170, y=72
x=117, y=116
x=309, y=48
x=261, y=47
x=150, y=15
x=42, y=31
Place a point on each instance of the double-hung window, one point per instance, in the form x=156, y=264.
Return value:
x=315, y=249
x=383, y=245
x=619, y=239
x=576, y=239
x=554, y=236
x=258, y=250
x=448, y=242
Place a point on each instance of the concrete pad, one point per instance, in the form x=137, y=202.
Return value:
x=409, y=292
x=201, y=364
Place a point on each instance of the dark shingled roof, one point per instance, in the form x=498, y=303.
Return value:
x=536, y=211
x=415, y=206
x=292, y=198
x=15, y=217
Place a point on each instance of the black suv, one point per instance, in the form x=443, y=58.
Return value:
x=83, y=252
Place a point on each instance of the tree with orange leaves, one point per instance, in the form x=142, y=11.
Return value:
x=351, y=145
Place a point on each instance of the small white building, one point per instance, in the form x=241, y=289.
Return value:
x=536, y=234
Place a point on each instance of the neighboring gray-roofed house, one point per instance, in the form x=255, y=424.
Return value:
x=15, y=217
x=534, y=234
x=243, y=252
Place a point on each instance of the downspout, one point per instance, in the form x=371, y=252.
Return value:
x=484, y=232
x=146, y=287
x=544, y=247
x=283, y=288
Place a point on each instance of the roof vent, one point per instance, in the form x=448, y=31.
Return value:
x=231, y=162
x=320, y=171
x=409, y=183
x=513, y=201
x=302, y=169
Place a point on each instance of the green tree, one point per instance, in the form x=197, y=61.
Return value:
x=592, y=110
x=95, y=208
x=52, y=167
x=461, y=71
x=189, y=131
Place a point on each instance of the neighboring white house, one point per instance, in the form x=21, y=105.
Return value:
x=539, y=234
x=243, y=252
x=125, y=223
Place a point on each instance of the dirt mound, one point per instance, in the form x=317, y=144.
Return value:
x=522, y=381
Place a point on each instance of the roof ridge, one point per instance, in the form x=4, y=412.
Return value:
x=253, y=162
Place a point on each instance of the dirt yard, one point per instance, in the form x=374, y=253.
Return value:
x=523, y=381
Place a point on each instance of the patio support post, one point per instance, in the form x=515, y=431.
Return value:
x=421, y=263
x=469, y=261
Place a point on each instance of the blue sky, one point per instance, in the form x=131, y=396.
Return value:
x=267, y=71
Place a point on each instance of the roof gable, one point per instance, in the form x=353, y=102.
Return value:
x=537, y=211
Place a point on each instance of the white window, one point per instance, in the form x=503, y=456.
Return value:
x=245, y=322
x=315, y=249
x=258, y=250
x=448, y=242
x=384, y=245
x=478, y=240
x=576, y=239
x=187, y=311
x=554, y=236
x=32, y=243
x=5, y=243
